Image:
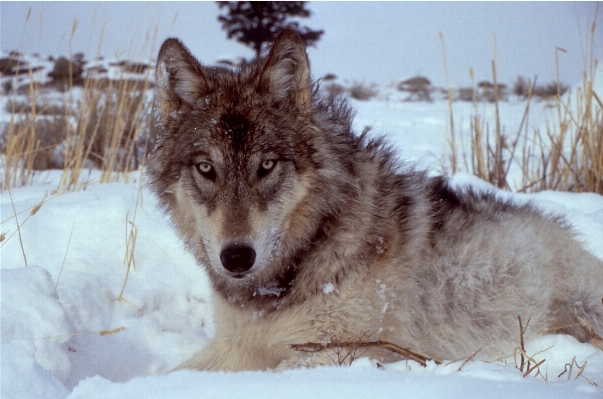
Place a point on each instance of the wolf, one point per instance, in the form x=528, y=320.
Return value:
x=310, y=233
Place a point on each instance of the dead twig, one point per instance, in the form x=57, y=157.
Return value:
x=534, y=367
x=400, y=350
x=569, y=368
x=466, y=359
x=522, y=349
x=524, y=358
x=102, y=333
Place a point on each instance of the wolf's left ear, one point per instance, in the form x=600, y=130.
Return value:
x=286, y=73
x=180, y=81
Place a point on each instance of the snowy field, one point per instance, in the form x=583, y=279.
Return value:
x=68, y=330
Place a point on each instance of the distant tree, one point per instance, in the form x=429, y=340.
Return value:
x=258, y=23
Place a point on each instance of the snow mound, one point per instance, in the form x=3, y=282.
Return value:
x=45, y=322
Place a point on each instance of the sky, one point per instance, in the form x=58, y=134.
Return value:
x=381, y=42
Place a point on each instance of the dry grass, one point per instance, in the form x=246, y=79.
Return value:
x=529, y=365
x=41, y=108
x=18, y=226
x=102, y=333
x=108, y=126
x=131, y=235
x=567, y=155
x=571, y=367
x=492, y=148
x=465, y=359
x=109, y=129
x=112, y=131
x=64, y=257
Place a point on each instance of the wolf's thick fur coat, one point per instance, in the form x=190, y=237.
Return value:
x=310, y=233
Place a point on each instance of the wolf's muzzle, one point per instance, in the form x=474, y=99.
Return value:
x=237, y=259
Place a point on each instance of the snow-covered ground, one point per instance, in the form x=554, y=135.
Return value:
x=67, y=331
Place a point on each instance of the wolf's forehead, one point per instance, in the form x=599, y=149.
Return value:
x=235, y=128
x=236, y=122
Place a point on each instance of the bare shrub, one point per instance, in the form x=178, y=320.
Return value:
x=363, y=92
x=333, y=90
x=550, y=90
x=418, y=87
x=467, y=94
x=417, y=83
x=520, y=87
x=485, y=92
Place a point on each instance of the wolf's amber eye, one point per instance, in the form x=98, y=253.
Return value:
x=204, y=167
x=266, y=167
x=206, y=170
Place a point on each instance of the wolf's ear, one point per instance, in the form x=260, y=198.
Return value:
x=180, y=80
x=286, y=73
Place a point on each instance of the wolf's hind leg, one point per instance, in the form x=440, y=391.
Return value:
x=579, y=314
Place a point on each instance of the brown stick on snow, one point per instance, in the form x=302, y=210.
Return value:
x=407, y=353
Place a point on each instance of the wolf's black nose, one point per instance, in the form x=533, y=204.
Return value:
x=237, y=258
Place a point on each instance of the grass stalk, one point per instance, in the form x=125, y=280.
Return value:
x=18, y=226
x=453, y=159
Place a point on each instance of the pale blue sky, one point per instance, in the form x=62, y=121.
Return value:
x=363, y=41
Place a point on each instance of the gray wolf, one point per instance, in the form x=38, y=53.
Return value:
x=310, y=233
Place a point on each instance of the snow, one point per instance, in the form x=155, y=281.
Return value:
x=32, y=288
x=328, y=288
x=361, y=380
x=68, y=331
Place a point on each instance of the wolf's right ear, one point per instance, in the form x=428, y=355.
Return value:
x=180, y=81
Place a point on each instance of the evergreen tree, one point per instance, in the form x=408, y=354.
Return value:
x=258, y=23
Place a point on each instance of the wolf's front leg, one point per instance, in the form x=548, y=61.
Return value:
x=206, y=359
x=224, y=355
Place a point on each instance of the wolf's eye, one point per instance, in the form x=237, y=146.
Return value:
x=206, y=170
x=266, y=167
x=204, y=167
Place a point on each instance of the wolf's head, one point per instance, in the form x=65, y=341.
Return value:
x=251, y=166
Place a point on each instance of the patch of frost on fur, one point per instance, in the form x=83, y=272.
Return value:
x=163, y=76
x=328, y=288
